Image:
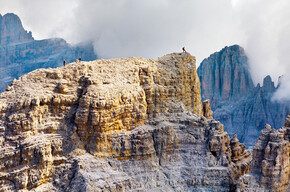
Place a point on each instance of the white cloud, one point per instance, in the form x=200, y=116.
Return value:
x=131, y=27
x=44, y=18
x=122, y=28
x=266, y=28
x=264, y=22
x=283, y=93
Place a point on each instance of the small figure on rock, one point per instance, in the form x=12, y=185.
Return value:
x=183, y=49
x=80, y=59
x=64, y=62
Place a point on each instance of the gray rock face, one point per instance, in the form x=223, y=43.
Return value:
x=243, y=108
x=20, y=53
x=225, y=76
x=11, y=30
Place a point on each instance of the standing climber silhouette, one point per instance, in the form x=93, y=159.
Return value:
x=183, y=49
x=80, y=59
x=64, y=62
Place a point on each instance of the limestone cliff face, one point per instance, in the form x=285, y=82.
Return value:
x=115, y=125
x=121, y=103
x=270, y=168
x=242, y=108
x=20, y=53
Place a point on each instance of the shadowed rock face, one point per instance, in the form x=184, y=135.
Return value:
x=20, y=53
x=115, y=125
x=224, y=75
x=243, y=108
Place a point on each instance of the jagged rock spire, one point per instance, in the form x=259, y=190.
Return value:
x=12, y=31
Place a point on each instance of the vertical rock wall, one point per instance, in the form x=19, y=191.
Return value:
x=270, y=168
x=164, y=86
x=173, y=90
x=11, y=30
x=243, y=108
x=225, y=75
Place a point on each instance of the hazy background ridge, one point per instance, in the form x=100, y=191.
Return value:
x=153, y=28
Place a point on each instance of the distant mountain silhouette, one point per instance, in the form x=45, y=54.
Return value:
x=243, y=108
x=20, y=53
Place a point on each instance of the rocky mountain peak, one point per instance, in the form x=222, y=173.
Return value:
x=270, y=166
x=234, y=49
x=12, y=31
x=109, y=125
x=224, y=75
x=242, y=108
x=20, y=53
x=268, y=84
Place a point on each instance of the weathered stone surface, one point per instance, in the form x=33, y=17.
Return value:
x=207, y=112
x=270, y=168
x=243, y=108
x=146, y=89
x=112, y=125
x=128, y=124
x=287, y=122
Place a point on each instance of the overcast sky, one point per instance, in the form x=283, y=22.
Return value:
x=152, y=28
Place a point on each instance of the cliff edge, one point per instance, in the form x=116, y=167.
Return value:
x=270, y=168
x=129, y=124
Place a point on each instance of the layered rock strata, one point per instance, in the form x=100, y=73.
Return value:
x=114, y=125
x=270, y=168
x=207, y=112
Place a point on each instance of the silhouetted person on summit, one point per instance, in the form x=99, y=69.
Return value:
x=80, y=59
x=183, y=49
x=64, y=62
